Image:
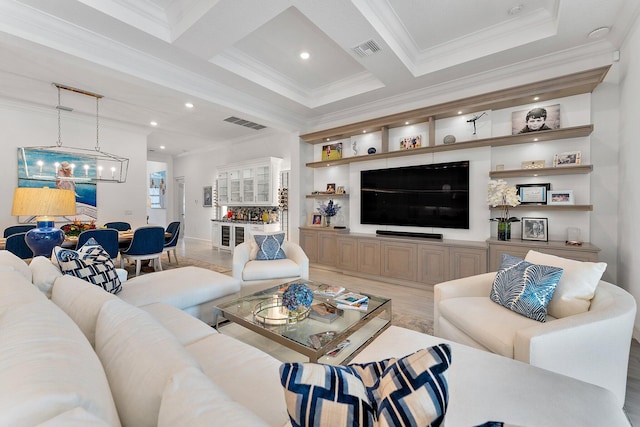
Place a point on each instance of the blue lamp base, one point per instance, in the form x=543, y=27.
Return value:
x=42, y=239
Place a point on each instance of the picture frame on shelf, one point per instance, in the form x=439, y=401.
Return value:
x=535, y=229
x=568, y=158
x=560, y=197
x=410, y=142
x=332, y=151
x=499, y=167
x=340, y=190
x=535, y=119
x=533, y=194
x=532, y=164
x=207, y=196
x=315, y=220
x=331, y=188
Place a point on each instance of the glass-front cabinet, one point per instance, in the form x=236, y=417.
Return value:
x=252, y=183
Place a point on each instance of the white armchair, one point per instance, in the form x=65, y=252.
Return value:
x=296, y=265
x=592, y=346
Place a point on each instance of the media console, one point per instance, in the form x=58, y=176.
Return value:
x=434, y=236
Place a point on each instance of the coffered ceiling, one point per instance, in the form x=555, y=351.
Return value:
x=241, y=58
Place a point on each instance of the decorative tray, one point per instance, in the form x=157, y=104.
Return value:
x=273, y=313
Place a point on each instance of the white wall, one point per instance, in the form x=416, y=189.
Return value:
x=629, y=173
x=26, y=126
x=200, y=169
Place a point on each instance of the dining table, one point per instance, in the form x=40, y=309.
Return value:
x=70, y=242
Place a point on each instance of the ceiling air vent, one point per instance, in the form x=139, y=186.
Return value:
x=367, y=48
x=245, y=123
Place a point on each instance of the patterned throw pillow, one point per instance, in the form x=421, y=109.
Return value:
x=269, y=246
x=411, y=391
x=524, y=287
x=91, y=263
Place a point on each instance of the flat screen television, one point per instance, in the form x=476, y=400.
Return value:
x=435, y=195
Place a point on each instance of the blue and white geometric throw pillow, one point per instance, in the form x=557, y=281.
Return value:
x=524, y=287
x=270, y=246
x=410, y=391
x=91, y=263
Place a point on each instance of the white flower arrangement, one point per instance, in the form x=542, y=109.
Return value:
x=499, y=194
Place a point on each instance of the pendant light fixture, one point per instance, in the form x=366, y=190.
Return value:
x=72, y=164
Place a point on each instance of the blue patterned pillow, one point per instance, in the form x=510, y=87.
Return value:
x=269, y=246
x=91, y=263
x=524, y=287
x=411, y=391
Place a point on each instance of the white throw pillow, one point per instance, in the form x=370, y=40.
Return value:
x=191, y=399
x=44, y=274
x=9, y=261
x=139, y=356
x=576, y=287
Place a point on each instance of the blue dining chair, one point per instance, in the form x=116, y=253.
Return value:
x=118, y=225
x=13, y=229
x=147, y=244
x=16, y=245
x=106, y=237
x=172, y=241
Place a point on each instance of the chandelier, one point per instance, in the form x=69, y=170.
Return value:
x=72, y=164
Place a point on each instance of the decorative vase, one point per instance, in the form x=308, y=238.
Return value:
x=504, y=230
x=327, y=221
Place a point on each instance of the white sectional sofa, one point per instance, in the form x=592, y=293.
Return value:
x=85, y=357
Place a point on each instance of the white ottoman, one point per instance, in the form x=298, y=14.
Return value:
x=194, y=290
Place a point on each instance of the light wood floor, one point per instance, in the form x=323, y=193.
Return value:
x=414, y=302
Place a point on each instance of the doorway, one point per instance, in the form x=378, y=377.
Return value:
x=180, y=203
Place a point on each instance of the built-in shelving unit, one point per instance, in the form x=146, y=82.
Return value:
x=564, y=170
x=497, y=141
x=327, y=196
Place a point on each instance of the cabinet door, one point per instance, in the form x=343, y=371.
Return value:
x=399, y=260
x=223, y=188
x=347, y=253
x=215, y=235
x=369, y=256
x=309, y=244
x=235, y=190
x=433, y=264
x=327, y=249
x=465, y=262
x=264, y=187
x=248, y=186
x=226, y=236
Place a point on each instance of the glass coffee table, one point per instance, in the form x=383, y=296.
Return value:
x=312, y=338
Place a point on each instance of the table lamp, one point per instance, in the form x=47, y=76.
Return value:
x=43, y=203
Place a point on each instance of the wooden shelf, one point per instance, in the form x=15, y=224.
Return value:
x=550, y=207
x=497, y=141
x=563, y=170
x=327, y=196
x=559, y=87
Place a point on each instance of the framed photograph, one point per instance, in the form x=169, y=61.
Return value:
x=331, y=188
x=409, y=142
x=535, y=229
x=533, y=194
x=560, y=197
x=315, y=220
x=340, y=189
x=532, y=164
x=536, y=119
x=569, y=158
x=332, y=151
x=207, y=196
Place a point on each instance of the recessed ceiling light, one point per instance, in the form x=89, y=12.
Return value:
x=364, y=131
x=459, y=112
x=536, y=98
x=305, y=55
x=328, y=139
x=153, y=123
x=162, y=147
x=535, y=139
x=188, y=105
x=406, y=123
x=599, y=33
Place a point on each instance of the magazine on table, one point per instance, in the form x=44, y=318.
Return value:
x=351, y=298
x=324, y=312
x=334, y=352
x=329, y=290
x=321, y=338
x=361, y=306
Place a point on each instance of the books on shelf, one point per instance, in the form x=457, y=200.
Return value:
x=321, y=338
x=324, y=312
x=351, y=298
x=361, y=306
x=329, y=290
